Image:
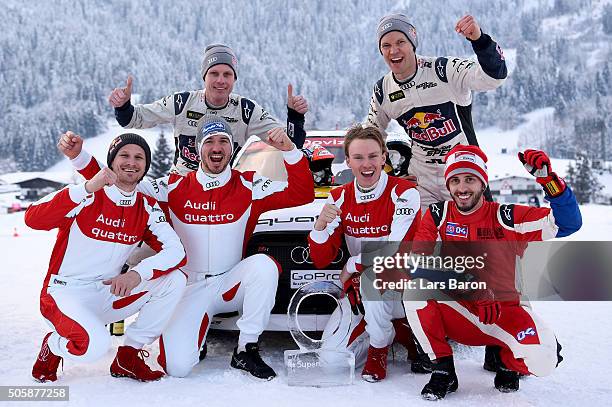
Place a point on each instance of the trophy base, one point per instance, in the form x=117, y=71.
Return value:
x=320, y=368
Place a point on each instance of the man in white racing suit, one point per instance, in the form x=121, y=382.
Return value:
x=431, y=97
x=185, y=109
x=214, y=211
x=374, y=207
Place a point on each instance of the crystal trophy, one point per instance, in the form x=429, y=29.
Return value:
x=317, y=363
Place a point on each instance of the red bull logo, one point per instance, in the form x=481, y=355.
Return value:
x=419, y=126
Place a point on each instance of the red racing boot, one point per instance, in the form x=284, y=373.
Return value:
x=375, y=368
x=45, y=367
x=129, y=362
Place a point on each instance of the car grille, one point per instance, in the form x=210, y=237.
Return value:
x=281, y=246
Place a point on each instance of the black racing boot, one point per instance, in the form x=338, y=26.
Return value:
x=492, y=359
x=506, y=380
x=443, y=379
x=421, y=364
x=250, y=361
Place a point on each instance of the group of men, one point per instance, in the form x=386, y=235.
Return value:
x=198, y=268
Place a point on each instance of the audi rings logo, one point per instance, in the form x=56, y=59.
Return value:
x=192, y=123
x=404, y=211
x=301, y=255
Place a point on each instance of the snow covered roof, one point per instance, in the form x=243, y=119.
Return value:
x=17, y=177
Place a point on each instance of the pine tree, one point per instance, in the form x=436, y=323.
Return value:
x=162, y=159
x=583, y=182
x=606, y=19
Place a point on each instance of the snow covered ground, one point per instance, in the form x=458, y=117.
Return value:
x=582, y=328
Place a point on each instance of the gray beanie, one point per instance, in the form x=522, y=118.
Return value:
x=397, y=22
x=210, y=125
x=216, y=54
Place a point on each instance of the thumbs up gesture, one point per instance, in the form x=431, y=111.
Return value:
x=297, y=103
x=120, y=96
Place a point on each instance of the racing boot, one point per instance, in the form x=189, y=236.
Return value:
x=45, y=367
x=419, y=361
x=250, y=361
x=443, y=379
x=129, y=362
x=506, y=380
x=375, y=368
x=492, y=359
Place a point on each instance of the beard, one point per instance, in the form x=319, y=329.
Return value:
x=468, y=206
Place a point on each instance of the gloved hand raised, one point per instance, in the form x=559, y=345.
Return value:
x=537, y=163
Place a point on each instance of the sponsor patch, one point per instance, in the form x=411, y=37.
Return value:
x=396, y=95
x=457, y=230
x=194, y=115
x=303, y=277
x=523, y=334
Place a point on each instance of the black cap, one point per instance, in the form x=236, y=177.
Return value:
x=124, y=139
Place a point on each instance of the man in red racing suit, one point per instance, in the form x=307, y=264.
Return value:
x=528, y=346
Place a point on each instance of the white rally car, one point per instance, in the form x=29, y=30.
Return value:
x=283, y=233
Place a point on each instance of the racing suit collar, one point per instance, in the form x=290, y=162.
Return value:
x=209, y=182
x=211, y=107
x=362, y=197
x=119, y=197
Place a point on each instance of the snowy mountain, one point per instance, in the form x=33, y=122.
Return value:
x=60, y=60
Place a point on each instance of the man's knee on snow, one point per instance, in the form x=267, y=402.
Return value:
x=178, y=367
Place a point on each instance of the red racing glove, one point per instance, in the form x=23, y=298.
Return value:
x=538, y=165
x=352, y=290
x=488, y=309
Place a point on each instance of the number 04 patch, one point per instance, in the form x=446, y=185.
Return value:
x=523, y=334
x=455, y=229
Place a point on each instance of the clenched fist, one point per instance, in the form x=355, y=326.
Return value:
x=279, y=139
x=328, y=214
x=104, y=177
x=468, y=27
x=70, y=144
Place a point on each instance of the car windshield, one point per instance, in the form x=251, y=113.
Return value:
x=268, y=161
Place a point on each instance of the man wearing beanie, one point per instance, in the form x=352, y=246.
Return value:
x=100, y=223
x=219, y=70
x=431, y=97
x=494, y=316
x=214, y=211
